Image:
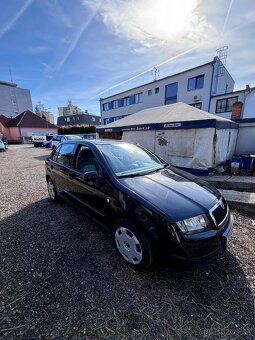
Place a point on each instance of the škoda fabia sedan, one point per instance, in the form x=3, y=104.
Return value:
x=150, y=208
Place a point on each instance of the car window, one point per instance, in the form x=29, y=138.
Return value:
x=65, y=154
x=55, y=138
x=72, y=137
x=86, y=160
x=127, y=159
x=54, y=153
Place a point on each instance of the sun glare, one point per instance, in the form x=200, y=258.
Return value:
x=154, y=23
x=166, y=19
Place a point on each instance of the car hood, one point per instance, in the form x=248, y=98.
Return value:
x=178, y=197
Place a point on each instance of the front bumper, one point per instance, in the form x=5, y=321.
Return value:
x=227, y=233
x=203, y=246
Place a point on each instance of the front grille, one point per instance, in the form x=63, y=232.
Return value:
x=219, y=213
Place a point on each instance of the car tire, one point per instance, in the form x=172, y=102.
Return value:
x=132, y=245
x=52, y=191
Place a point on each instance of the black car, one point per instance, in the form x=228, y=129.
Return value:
x=151, y=208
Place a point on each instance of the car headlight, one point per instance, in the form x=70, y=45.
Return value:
x=194, y=224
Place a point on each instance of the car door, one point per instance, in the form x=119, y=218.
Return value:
x=61, y=167
x=90, y=185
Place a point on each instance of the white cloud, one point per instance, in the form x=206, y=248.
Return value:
x=154, y=23
x=74, y=42
x=56, y=10
x=48, y=70
x=40, y=49
x=13, y=21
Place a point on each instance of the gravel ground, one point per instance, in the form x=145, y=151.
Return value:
x=61, y=279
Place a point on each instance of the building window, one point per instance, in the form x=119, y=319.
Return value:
x=196, y=83
x=126, y=101
x=108, y=121
x=157, y=90
x=171, y=93
x=197, y=105
x=138, y=98
x=115, y=104
x=225, y=105
x=149, y=92
x=105, y=106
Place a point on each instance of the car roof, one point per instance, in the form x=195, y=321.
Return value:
x=96, y=141
x=65, y=135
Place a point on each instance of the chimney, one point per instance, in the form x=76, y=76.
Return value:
x=236, y=110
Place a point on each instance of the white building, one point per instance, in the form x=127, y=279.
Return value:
x=68, y=110
x=240, y=106
x=14, y=100
x=195, y=87
x=222, y=104
x=43, y=113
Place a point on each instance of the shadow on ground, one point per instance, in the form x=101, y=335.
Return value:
x=61, y=279
x=42, y=158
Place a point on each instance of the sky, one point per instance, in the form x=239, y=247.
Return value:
x=84, y=50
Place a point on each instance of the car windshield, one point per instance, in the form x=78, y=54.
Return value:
x=73, y=137
x=130, y=160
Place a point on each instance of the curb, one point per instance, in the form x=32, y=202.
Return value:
x=238, y=183
x=240, y=200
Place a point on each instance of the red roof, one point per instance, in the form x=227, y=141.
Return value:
x=28, y=119
x=4, y=119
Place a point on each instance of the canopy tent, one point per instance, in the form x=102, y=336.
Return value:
x=179, y=133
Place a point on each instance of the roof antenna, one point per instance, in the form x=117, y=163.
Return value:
x=10, y=71
x=222, y=54
x=155, y=72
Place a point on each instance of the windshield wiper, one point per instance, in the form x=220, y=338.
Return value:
x=134, y=174
x=142, y=173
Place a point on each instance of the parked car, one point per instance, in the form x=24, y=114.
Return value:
x=2, y=146
x=47, y=144
x=151, y=208
x=56, y=139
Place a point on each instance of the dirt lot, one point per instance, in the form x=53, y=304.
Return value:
x=61, y=279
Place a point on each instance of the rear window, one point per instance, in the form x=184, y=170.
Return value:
x=74, y=137
x=56, y=138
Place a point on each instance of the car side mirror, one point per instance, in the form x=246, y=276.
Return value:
x=91, y=175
